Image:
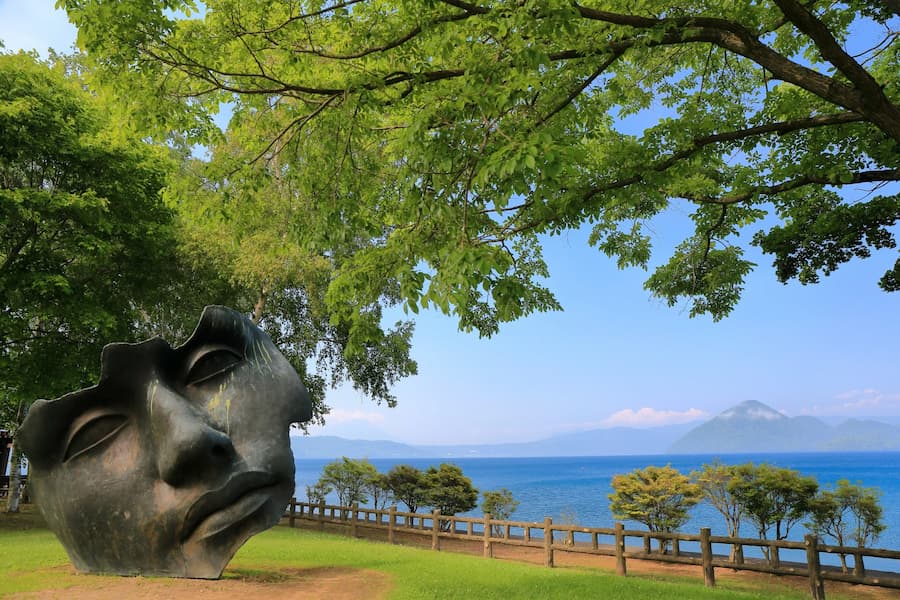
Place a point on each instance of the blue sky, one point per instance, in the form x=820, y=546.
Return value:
x=615, y=356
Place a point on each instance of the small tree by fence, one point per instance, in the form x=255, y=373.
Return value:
x=604, y=542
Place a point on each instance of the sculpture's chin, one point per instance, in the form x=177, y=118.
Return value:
x=208, y=551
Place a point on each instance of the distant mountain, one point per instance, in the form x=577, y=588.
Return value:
x=864, y=435
x=746, y=428
x=754, y=427
x=329, y=446
x=595, y=442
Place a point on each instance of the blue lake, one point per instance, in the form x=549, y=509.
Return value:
x=575, y=489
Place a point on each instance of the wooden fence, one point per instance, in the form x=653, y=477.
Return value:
x=605, y=541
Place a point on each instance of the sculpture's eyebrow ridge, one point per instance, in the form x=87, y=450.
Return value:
x=220, y=325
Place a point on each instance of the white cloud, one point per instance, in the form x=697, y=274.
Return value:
x=868, y=399
x=862, y=402
x=342, y=415
x=651, y=417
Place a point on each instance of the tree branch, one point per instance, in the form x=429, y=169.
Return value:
x=467, y=6
x=580, y=89
x=697, y=144
x=736, y=38
x=791, y=184
x=831, y=51
x=390, y=45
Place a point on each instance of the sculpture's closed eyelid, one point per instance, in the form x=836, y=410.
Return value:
x=210, y=362
x=92, y=431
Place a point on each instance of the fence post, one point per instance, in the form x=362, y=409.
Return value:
x=435, y=528
x=321, y=515
x=488, y=547
x=774, y=557
x=676, y=547
x=620, y=549
x=816, y=584
x=392, y=517
x=354, y=515
x=709, y=571
x=293, y=512
x=646, y=543
x=548, y=542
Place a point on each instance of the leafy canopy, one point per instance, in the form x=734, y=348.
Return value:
x=245, y=224
x=848, y=513
x=350, y=479
x=449, y=490
x=86, y=243
x=500, y=504
x=440, y=140
x=105, y=236
x=658, y=497
x=772, y=496
x=407, y=485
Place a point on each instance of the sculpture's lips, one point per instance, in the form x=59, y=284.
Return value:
x=217, y=510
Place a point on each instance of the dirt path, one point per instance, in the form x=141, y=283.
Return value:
x=281, y=584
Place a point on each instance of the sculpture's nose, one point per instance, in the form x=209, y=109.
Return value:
x=188, y=447
x=302, y=404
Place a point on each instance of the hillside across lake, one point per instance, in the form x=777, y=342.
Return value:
x=749, y=427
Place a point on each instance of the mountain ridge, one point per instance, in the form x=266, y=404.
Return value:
x=752, y=426
x=748, y=427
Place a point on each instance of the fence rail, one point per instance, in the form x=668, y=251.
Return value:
x=608, y=541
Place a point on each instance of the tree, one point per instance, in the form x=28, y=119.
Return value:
x=349, y=479
x=500, y=505
x=658, y=497
x=83, y=230
x=772, y=497
x=317, y=492
x=848, y=513
x=407, y=485
x=444, y=138
x=714, y=480
x=449, y=491
x=87, y=247
x=376, y=487
x=196, y=233
x=244, y=222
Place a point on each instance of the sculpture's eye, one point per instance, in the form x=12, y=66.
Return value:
x=94, y=432
x=212, y=363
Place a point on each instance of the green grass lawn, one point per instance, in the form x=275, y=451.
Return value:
x=30, y=560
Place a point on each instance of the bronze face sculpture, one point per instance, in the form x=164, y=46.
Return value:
x=175, y=458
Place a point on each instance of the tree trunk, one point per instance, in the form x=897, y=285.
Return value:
x=15, y=479
x=765, y=549
x=15, y=465
x=260, y=307
x=736, y=554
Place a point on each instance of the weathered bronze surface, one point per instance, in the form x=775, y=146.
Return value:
x=175, y=458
